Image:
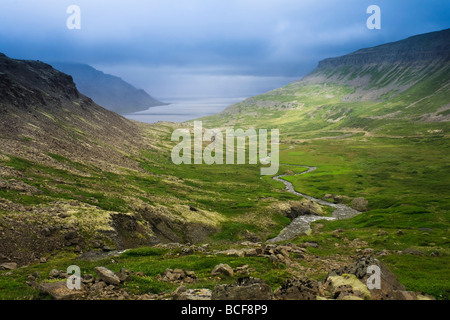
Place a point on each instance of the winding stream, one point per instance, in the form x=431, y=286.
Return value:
x=301, y=224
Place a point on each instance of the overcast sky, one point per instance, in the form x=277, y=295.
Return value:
x=176, y=48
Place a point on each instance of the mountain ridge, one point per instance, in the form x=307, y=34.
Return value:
x=109, y=91
x=345, y=92
x=418, y=49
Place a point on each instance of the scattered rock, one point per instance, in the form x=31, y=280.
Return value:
x=182, y=293
x=250, y=236
x=177, y=275
x=435, y=254
x=383, y=252
x=250, y=244
x=88, y=278
x=336, y=232
x=243, y=270
x=54, y=273
x=388, y=281
x=187, y=250
x=309, y=244
x=123, y=275
x=244, y=289
x=368, y=251
x=233, y=252
x=59, y=291
x=299, y=289
x=413, y=252
x=98, y=286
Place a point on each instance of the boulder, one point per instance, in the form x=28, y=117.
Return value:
x=54, y=273
x=107, y=275
x=222, y=269
x=359, y=204
x=8, y=266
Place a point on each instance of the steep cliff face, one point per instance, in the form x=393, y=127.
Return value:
x=25, y=82
x=387, y=70
x=419, y=50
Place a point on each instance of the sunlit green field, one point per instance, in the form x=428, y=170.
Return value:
x=405, y=181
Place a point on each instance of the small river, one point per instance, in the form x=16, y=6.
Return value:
x=301, y=224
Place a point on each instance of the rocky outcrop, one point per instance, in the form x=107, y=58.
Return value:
x=352, y=280
x=347, y=285
x=169, y=227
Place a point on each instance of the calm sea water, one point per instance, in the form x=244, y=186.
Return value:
x=181, y=110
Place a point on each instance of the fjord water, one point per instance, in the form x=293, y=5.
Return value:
x=183, y=109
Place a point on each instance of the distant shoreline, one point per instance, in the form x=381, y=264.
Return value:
x=183, y=109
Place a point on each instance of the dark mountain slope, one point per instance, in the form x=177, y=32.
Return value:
x=42, y=112
x=109, y=91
